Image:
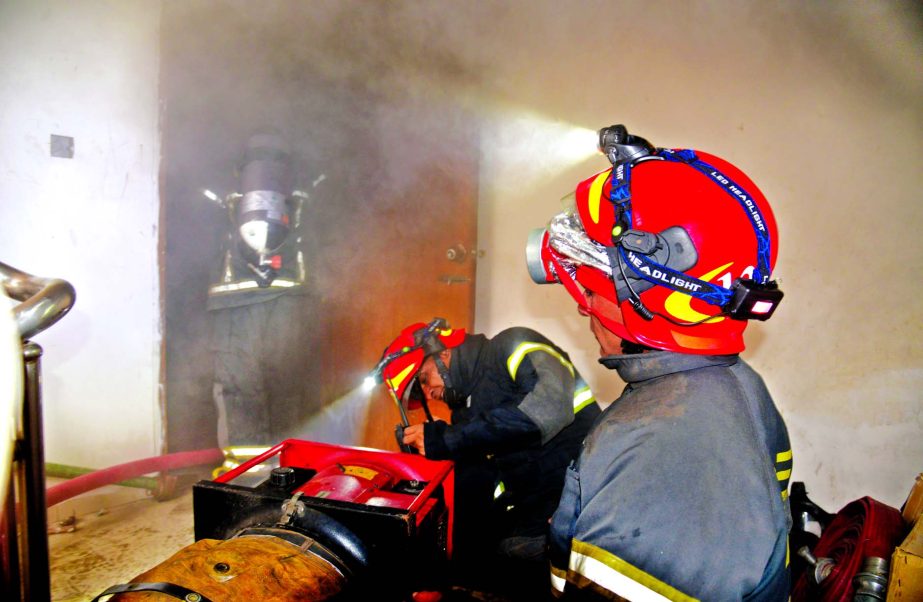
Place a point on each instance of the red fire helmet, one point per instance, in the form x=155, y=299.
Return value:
x=709, y=225
x=403, y=358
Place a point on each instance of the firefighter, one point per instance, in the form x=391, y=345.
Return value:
x=681, y=490
x=520, y=410
x=261, y=304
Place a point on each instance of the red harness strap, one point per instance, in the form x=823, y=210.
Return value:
x=570, y=284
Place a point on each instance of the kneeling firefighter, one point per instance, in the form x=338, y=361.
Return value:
x=520, y=410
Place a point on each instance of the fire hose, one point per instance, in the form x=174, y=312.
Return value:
x=128, y=470
x=852, y=554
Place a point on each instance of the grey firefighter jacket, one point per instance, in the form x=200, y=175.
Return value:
x=526, y=413
x=681, y=490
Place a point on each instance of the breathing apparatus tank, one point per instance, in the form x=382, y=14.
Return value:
x=263, y=212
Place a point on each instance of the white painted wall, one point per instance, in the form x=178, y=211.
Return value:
x=87, y=69
x=820, y=103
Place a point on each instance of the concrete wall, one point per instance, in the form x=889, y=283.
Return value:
x=820, y=104
x=87, y=70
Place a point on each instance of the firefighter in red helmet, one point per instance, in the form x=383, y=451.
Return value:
x=520, y=410
x=680, y=492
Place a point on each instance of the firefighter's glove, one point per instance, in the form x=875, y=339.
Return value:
x=413, y=436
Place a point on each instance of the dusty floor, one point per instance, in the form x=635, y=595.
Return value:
x=113, y=544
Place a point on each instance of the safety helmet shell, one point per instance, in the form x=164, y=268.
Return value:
x=666, y=194
x=412, y=350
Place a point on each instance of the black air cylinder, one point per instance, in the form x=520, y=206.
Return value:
x=266, y=183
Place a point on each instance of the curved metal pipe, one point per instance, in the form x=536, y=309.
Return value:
x=43, y=301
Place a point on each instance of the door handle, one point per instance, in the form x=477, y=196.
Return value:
x=458, y=253
x=450, y=279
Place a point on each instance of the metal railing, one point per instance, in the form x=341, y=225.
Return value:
x=41, y=303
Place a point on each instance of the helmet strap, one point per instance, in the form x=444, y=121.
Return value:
x=450, y=394
x=754, y=298
x=443, y=370
x=761, y=272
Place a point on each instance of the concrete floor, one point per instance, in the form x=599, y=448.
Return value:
x=118, y=535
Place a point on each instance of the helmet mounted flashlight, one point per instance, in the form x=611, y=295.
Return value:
x=619, y=146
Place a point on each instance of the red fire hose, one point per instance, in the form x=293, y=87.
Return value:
x=863, y=528
x=121, y=472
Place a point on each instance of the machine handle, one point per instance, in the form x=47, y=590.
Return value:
x=43, y=301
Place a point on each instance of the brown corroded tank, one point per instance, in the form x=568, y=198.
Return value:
x=259, y=566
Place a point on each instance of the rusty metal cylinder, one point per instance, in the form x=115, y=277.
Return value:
x=271, y=565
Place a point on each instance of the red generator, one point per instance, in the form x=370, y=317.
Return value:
x=379, y=522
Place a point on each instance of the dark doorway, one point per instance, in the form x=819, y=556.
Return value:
x=399, y=189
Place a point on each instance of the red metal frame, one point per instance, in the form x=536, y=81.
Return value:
x=317, y=456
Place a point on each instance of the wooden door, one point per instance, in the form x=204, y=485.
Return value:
x=430, y=241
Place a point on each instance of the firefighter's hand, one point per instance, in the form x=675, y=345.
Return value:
x=413, y=436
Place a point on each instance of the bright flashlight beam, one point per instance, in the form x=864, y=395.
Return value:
x=528, y=148
x=576, y=144
x=339, y=422
x=369, y=383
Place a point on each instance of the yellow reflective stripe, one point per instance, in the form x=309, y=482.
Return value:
x=619, y=577
x=583, y=398
x=596, y=191
x=558, y=579
x=512, y=363
x=240, y=452
x=499, y=489
x=783, y=475
x=251, y=284
x=236, y=455
x=395, y=382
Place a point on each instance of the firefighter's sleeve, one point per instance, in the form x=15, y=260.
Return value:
x=499, y=429
x=561, y=529
x=550, y=404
